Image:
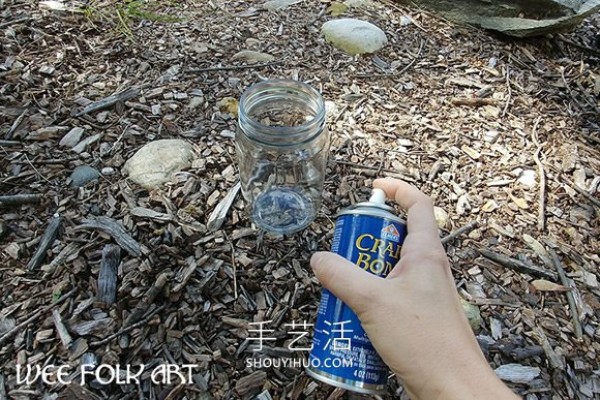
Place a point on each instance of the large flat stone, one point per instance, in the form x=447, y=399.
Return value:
x=519, y=18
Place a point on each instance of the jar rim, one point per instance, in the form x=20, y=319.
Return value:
x=293, y=135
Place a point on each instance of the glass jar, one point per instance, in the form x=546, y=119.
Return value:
x=282, y=146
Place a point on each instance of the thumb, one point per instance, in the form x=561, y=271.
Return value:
x=349, y=283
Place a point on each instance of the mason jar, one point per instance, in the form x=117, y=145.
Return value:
x=282, y=145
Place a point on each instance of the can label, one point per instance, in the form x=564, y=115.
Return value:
x=374, y=244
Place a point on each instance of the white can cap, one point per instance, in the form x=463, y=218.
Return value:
x=377, y=196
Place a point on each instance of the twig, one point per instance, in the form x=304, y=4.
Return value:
x=580, y=46
x=144, y=321
x=116, y=231
x=110, y=101
x=234, y=67
x=509, y=89
x=587, y=97
x=35, y=316
x=581, y=191
x=517, y=265
x=566, y=283
x=402, y=71
x=35, y=169
x=45, y=242
x=562, y=74
x=19, y=199
x=234, y=265
x=473, y=101
x=319, y=15
x=460, y=231
x=542, y=173
x=11, y=143
x=15, y=21
x=15, y=125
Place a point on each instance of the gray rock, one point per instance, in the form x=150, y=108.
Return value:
x=72, y=137
x=354, y=36
x=82, y=175
x=519, y=18
x=153, y=164
x=108, y=171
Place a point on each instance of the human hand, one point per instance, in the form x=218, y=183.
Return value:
x=414, y=317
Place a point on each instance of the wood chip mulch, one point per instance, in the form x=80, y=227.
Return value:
x=501, y=132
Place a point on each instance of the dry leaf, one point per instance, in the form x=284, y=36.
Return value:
x=546, y=286
x=474, y=154
x=337, y=9
x=253, y=56
x=228, y=104
x=521, y=203
x=490, y=206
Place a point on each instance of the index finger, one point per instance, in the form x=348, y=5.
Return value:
x=418, y=206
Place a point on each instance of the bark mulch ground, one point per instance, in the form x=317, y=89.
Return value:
x=502, y=133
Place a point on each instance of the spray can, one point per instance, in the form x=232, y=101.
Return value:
x=369, y=235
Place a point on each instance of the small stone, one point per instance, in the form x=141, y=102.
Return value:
x=441, y=217
x=102, y=117
x=154, y=163
x=144, y=66
x=107, y=171
x=200, y=48
x=71, y=138
x=473, y=314
x=195, y=102
x=180, y=96
x=354, y=36
x=47, y=70
x=105, y=149
x=491, y=136
x=273, y=5
x=527, y=178
x=156, y=109
x=82, y=175
x=99, y=85
x=405, y=20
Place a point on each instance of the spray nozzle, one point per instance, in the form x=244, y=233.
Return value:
x=377, y=196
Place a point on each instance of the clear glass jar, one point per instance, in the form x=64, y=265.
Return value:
x=282, y=146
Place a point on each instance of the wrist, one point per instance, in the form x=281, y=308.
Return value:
x=464, y=378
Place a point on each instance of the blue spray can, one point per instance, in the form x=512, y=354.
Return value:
x=369, y=235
